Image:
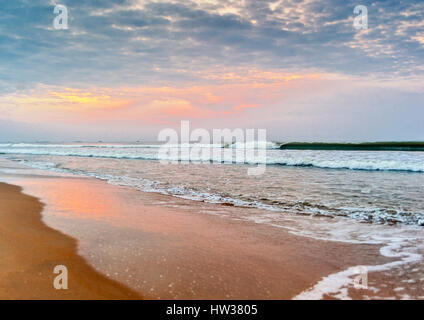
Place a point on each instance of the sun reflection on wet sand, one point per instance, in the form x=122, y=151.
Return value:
x=172, y=251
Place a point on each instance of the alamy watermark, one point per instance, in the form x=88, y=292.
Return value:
x=60, y=22
x=60, y=282
x=247, y=146
x=361, y=279
x=360, y=22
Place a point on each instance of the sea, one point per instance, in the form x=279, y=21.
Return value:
x=382, y=187
x=362, y=194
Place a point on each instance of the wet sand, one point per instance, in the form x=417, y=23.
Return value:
x=30, y=250
x=168, y=251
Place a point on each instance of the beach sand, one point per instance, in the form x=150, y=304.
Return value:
x=169, y=251
x=30, y=250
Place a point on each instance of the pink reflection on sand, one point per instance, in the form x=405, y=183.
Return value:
x=166, y=249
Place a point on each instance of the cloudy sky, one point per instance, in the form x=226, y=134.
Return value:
x=125, y=69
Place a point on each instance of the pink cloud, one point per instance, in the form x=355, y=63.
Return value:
x=233, y=94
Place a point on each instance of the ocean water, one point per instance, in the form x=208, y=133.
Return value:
x=381, y=187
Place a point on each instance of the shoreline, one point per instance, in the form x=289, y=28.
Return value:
x=31, y=250
x=165, y=247
x=176, y=252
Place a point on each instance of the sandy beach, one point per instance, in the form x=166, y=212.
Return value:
x=31, y=250
x=118, y=243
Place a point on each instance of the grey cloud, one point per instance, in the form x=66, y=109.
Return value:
x=111, y=42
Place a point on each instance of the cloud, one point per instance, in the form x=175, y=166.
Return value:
x=310, y=107
x=114, y=42
x=161, y=60
x=233, y=92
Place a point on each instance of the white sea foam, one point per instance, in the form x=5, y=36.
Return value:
x=255, y=145
x=368, y=209
x=353, y=160
x=337, y=284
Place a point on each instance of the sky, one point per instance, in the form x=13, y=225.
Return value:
x=126, y=69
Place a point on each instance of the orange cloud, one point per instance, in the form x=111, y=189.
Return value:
x=68, y=99
x=233, y=93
